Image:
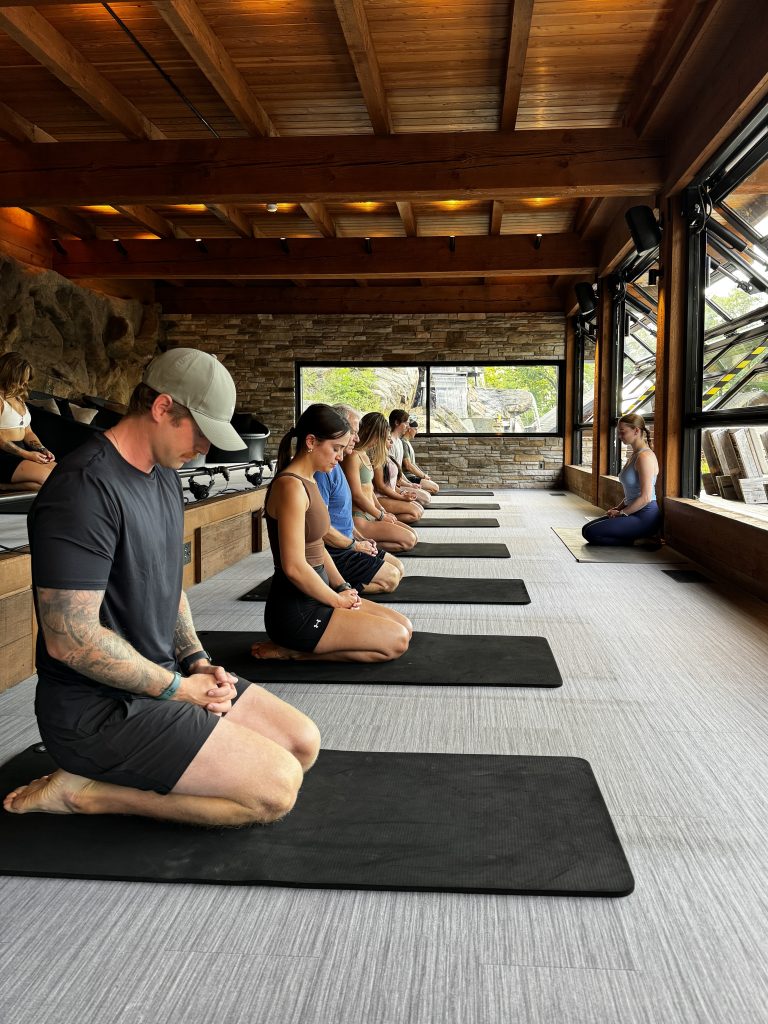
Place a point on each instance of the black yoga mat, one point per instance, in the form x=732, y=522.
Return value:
x=458, y=524
x=455, y=491
x=432, y=659
x=468, y=823
x=481, y=506
x=424, y=550
x=434, y=590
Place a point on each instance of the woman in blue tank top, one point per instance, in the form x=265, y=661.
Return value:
x=638, y=516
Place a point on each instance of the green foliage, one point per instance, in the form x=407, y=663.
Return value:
x=340, y=384
x=541, y=381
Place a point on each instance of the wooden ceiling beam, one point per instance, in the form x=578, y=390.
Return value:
x=719, y=101
x=323, y=259
x=38, y=37
x=354, y=25
x=234, y=218
x=194, y=33
x=522, y=11
x=152, y=221
x=458, y=298
x=66, y=220
x=497, y=216
x=663, y=71
x=408, y=218
x=16, y=128
x=454, y=165
x=320, y=217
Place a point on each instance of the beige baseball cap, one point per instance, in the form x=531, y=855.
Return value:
x=198, y=381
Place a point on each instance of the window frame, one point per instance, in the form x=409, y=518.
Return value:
x=734, y=163
x=583, y=326
x=559, y=364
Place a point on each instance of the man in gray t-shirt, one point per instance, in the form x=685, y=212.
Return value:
x=129, y=705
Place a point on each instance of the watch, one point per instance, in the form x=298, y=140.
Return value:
x=186, y=663
x=343, y=586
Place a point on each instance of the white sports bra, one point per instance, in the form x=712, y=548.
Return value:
x=11, y=419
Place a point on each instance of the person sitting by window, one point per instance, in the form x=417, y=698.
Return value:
x=358, y=560
x=25, y=463
x=638, y=516
x=398, y=425
x=312, y=612
x=370, y=517
x=411, y=470
x=375, y=432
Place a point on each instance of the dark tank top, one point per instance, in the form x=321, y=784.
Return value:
x=317, y=522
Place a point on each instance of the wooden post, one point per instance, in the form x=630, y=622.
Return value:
x=569, y=413
x=670, y=352
x=602, y=409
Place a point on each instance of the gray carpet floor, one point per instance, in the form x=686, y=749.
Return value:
x=664, y=693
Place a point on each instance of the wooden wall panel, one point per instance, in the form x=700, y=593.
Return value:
x=221, y=544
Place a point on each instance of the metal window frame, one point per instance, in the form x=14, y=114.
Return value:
x=559, y=364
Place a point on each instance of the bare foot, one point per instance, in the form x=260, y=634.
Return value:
x=265, y=649
x=51, y=794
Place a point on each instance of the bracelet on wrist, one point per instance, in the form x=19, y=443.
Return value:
x=342, y=587
x=380, y=516
x=350, y=545
x=171, y=688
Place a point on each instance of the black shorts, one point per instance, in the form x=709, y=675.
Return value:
x=8, y=466
x=292, y=618
x=356, y=567
x=129, y=740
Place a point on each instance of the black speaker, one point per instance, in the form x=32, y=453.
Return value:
x=644, y=228
x=585, y=294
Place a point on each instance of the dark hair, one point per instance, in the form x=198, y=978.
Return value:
x=143, y=398
x=632, y=419
x=320, y=420
x=13, y=370
x=396, y=417
x=373, y=434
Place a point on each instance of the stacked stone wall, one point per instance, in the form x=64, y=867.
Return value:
x=261, y=351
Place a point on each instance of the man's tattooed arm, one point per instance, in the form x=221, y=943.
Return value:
x=185, y=639
x=73, y=634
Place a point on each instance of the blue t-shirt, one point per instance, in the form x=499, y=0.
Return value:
x=335, y=492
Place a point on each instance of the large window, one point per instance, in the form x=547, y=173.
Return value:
x=585, y=333
x=727, y=398
x=634, y=311
x=499, y=399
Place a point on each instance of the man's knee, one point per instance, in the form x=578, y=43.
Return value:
x=281, y=792
x=387, y=578
x=306, y=743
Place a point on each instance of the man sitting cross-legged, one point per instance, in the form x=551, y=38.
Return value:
x=129, y=706
x=358, y=559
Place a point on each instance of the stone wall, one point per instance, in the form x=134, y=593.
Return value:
x=78, y=341
x=261, y=352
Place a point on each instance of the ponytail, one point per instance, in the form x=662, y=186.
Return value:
x=321, y=421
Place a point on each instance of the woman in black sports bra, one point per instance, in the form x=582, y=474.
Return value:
x=311, y=612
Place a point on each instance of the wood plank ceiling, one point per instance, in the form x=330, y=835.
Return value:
x=507, y=120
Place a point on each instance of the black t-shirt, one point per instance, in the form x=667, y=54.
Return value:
x=99, y=523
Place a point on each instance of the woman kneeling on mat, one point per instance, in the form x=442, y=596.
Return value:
x=638, y=516
x=311, y=612
x=371, y=518
x=376, y=440
x=25, y=464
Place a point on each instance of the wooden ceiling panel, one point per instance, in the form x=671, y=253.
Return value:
x=549, y=216
x=582, y=58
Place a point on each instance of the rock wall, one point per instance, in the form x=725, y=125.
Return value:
x=261, y=352
x=78, y=341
